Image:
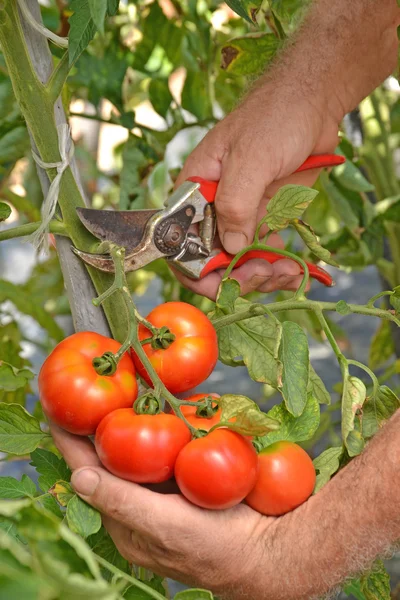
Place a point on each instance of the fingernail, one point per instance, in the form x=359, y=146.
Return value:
x=234, y=241
x=85, y=481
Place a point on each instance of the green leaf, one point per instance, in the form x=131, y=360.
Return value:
x=160, y=96
x=382, y=345
x=378, y=408
x=327, y=464
x=12, y=379
x=249, y=55
x=253, y=342
x=102, y=544
x=294, y=355
x=14, y=145
x=350, y=177
x=376, y=584
x=353, y=589
x=286, y=9
x=11, y=488
x=343, y=308
x=316, y=387
x=50, y=467
x=11, y=508
x=248, y=418
x=98, y=10
x=24, y=303
x=293, y=429
x=194, y=594
x=82, y=28
x=340, y=203
x=62, y=491
x=82, y=518
x=238, y=6
x=288, y=203
x=20, y=433
x=134, y=160
x=310, y=239
x=395, y=299
x=353, y=398
x=195, y=96
x=5, y=211
x=228, y=293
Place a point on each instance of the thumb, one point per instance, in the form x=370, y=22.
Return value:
x=239, y=195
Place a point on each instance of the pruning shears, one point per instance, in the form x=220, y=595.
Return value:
x=148, y=235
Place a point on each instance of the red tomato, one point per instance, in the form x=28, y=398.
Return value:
x=217, y=471
x=286, y=479
x=73, y=394
x=191, y=357
x=204, y=423
x=140, y=448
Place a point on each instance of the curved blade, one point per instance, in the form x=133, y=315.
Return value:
x=124, y=228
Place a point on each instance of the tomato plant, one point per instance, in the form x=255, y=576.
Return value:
x=73, y=394
x=286, y=478
x=190, y=357
x=167, y=58
x=217, y=471
x=141, y=448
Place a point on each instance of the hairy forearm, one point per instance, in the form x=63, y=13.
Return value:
x=342, y=529
x=342, y=51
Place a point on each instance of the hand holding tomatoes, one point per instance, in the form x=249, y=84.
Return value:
x=73, y=394
x=191, y=357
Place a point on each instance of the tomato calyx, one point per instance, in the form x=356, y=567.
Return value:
x=147, y=404
x=105, y=364
x=258, y=446
x=162, y=339
x=208, y=408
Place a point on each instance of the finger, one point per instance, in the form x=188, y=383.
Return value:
x=128, y=503
x=130, y=544
x=208, y=286
x=77, y=451
x=239, y=195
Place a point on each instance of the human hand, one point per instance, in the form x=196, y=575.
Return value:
x=167, y=534
x=252, y=153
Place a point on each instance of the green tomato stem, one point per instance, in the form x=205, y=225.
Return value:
x=57, y=227
x=375, y=382
x=136, y=582
x=372, y=300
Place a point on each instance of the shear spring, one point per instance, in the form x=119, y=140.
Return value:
x=207, y=227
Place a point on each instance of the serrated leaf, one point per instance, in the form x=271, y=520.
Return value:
x=228, y=293
x=82, y=518
x=5, y=211
x=25, y=303
x=350, y=177
x=316, y=387
x=327, y=464
x=310, y=239
x=382, y=345
x=244, y=416
x=160, y=96
x=12, y=379
x=195, y=96
x=134, y=160
x=343, y=308
x=375, y=585
x=294, y=355
x=62, y=491
x=82, y=28
x=293, y=429
x=249, y=55
x=353, y=398
x=239, y=8
x=20, y=432
x=253, y=342
x=288, y=203
x=50, y=467
x=378, y=408
x=11, y=488
x=98, y=10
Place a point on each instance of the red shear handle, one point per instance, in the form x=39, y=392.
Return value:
x=208, y=189
x=223, y=260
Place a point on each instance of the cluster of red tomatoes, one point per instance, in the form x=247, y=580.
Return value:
x=217, y=470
